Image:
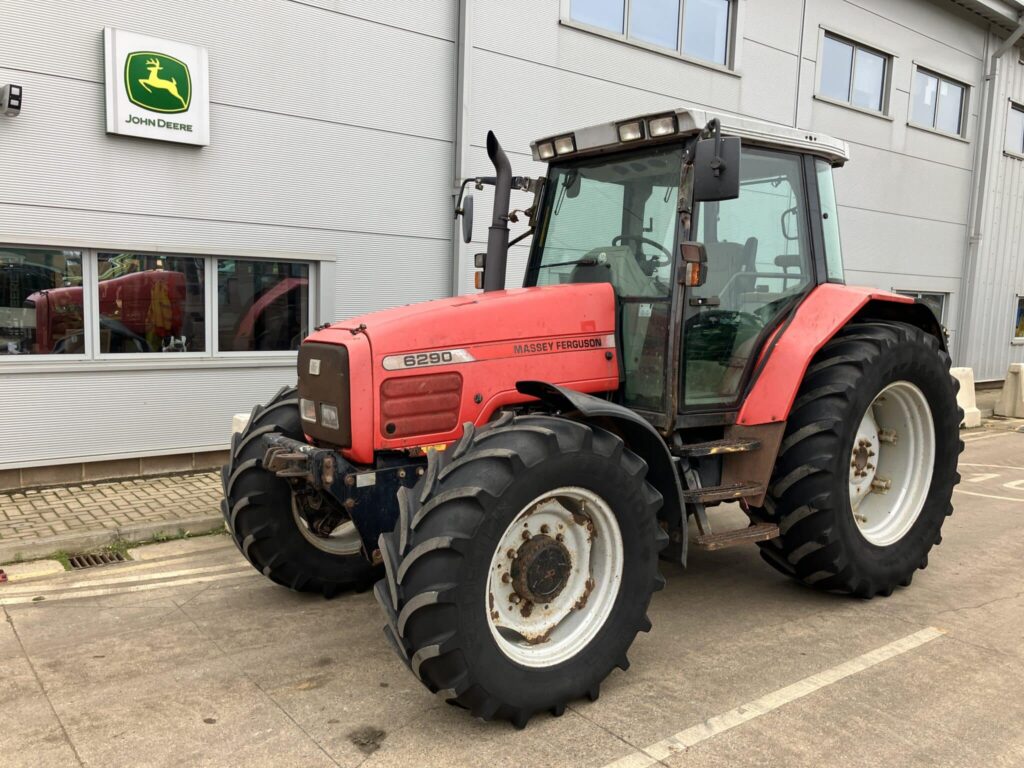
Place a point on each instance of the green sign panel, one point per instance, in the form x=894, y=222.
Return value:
x=157, y=82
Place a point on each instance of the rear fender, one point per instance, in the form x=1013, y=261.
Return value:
x=637, y=433
x=816, y=320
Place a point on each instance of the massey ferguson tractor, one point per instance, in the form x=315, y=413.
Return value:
x=512, y=463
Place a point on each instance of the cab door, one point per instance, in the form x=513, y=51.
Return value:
x=759, y=260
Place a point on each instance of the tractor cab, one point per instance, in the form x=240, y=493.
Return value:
x=622, y=199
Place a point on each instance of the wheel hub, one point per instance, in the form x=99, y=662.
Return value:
x=541, y=569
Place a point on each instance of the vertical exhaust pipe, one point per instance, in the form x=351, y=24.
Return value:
x=497, y=233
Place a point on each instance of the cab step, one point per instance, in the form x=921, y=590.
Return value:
x=755, y=532
x=727, y=492
x=718, y=447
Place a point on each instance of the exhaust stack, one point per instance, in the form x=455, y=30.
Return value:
x=497, y=233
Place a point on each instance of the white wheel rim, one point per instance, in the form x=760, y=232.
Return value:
x=891, y=463
x=343, y=540
x=546, y=633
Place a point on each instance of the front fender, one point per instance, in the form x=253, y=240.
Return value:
x=642, y=438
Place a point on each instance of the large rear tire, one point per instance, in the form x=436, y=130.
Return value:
x=522, y=566
x=865, y=472
x=258, y=508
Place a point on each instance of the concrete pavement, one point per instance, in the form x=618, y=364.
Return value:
x=188, y=657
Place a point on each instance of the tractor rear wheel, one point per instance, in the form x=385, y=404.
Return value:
x=866, y=469
x=261, y=514
x=522, y=566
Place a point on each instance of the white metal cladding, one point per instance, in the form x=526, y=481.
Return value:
x=999, y=275
x=332, y=130
x=50, y=418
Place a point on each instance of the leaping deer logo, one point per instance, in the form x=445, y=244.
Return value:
x=154, y=80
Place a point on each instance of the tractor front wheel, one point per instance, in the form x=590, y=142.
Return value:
x=867, y=466
x=522, y=566
x=261, y=513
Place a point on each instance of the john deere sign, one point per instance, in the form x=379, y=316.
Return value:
x=156, y=89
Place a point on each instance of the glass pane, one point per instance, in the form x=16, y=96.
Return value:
x=922, y=104
x=836, y=65
x=1018, y=330
x=758, y=262
x=607, y=14
x=612, y=220
x=829, y=221
x=706, y=29
x=951, y=100
x=868, y=80
x=40, y=302
x=1015, y=130
x=261, y=305
x=655, y=21
x=151, y=303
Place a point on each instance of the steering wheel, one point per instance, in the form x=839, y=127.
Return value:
x=654, y=261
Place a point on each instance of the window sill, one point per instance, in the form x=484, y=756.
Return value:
x=649, y=47
x=1015, y=156
x=853, y=107
x=148, y=363
x=937, y=132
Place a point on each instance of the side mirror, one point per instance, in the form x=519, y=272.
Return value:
x=786, y=219
x=467, y=219
x=694, y=270
x=716, y=174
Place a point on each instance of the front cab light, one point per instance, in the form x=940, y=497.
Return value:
x=546, y=150
x=564, y=145
x=662, y=126
x=631, y=131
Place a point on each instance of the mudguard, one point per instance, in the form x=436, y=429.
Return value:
x=640, y=436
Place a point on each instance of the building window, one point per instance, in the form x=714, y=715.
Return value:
x=854, y=74
x=151, y=303
x=41, y=308
x=103, y=304
x=1015, y=129
x=262, y=306
x=936, y=302
x=938, y=102
x=697, y=28
x=1018, y=326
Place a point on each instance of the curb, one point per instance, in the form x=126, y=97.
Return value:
x=85, y=541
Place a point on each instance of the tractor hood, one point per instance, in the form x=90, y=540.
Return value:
x=412, y=376
x=483, y=318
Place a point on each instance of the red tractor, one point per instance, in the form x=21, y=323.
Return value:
x=516, y=460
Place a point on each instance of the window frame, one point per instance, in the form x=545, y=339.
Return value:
x=940, y=77
x=916, y=294
x=212, y=355
x=1015, y=340
x=734, y=34
x=1017, y=153
x=890, y=63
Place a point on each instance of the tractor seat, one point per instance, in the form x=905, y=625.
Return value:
x=616, y=265
x=725, y=260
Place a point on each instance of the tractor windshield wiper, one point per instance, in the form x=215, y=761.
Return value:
x=587, y=262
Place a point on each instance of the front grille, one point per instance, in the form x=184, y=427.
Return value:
x=420, y=405
x=324, y=379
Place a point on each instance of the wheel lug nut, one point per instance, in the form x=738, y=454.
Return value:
x=544, y=528
x=505, y=578
x=559, y=538
x=514, y=598
x=526, y=535
x=511, y=554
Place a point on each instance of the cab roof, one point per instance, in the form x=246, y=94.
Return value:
x=605, y=137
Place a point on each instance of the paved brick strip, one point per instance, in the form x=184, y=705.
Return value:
x=31, y=515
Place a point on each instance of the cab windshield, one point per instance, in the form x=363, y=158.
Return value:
x=611, y=219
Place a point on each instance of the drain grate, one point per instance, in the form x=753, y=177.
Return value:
x=78, y=562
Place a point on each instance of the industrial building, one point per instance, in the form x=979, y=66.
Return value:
x=188, y=188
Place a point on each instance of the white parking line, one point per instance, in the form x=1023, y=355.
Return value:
x=762, y=706
x=121, y=590
x=988, y=495
x=980, y=478
x=126, y=576
x=979, y=438
x=992, y=466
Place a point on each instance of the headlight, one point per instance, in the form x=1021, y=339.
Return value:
x=631, y=131
x=565, y=145
x=308, y=410
x=546, y=150
x=329, y=416
x=662, y=126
